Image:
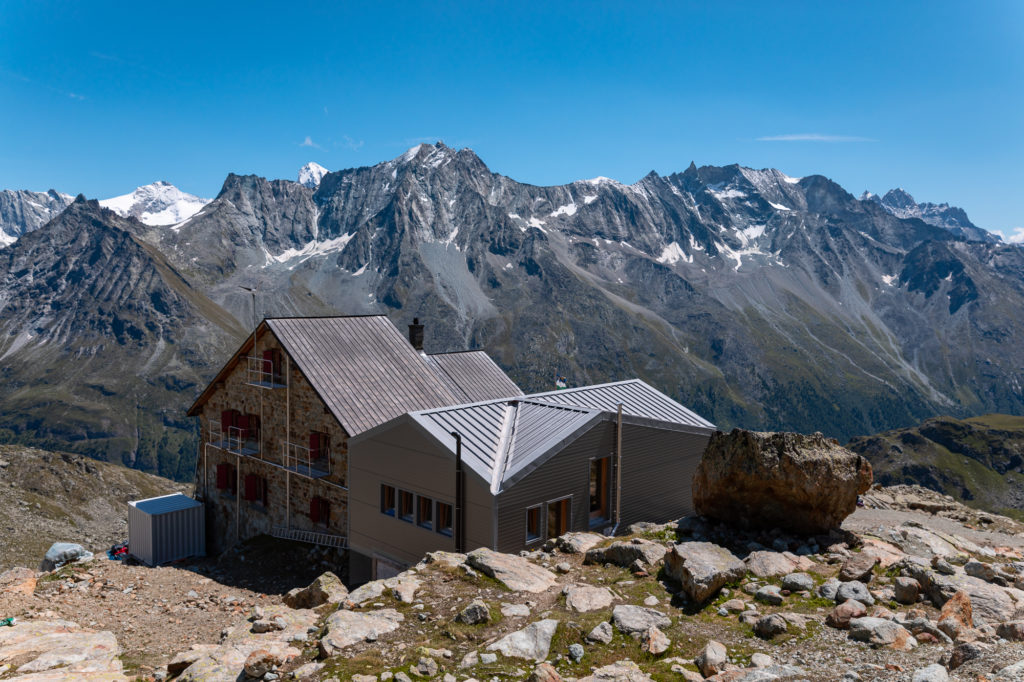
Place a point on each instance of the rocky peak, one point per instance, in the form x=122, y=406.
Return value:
x=311, y=174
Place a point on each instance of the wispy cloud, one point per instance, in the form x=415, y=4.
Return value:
x=348, y=143
x=814, y=137
x=308, y=142
x=1016, y=236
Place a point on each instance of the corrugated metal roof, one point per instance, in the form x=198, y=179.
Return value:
x=165, y=503
x=473, y=376
x=362, y=367
x=637, y=398
x=500, y=438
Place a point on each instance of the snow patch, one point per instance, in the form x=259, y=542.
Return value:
x=791, y=181
x=568, y=210
x=360, y=270
x=779, y=207
x=160, y=203
x=889, y=279
x=539, y=224
x=727, y=194
x=589, y=198
x=310, y=250
x=672, y=254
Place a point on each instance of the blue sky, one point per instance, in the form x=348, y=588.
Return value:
x=101, y=97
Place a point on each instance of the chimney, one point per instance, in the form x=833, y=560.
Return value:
x=416, y=334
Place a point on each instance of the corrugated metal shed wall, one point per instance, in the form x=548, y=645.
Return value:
x=657, y=473
x=166, y=535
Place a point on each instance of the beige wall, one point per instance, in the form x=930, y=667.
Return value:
x=404, y=457
x=274, y=406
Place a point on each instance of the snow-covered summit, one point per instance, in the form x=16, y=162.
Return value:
x=311, y=174
x=160, y=203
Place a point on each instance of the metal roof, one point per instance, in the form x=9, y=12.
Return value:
x=362, y=367
x=637, y=398
x=473, y=376
x=500, y=439
x=165, y=504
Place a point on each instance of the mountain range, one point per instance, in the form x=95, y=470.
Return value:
x=758, y=299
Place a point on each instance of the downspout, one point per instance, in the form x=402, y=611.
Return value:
x=460, y=493
x=618, y=471
x=287, y=440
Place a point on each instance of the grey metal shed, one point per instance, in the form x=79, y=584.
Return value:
x=166, y=528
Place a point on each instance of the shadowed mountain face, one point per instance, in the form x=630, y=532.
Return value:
x=757, y=299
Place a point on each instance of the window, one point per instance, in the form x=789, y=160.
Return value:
x=255, y=488
x=444, y=519
x=600, y=489
x=533, y=524
x=425, y=512
x=558, y=517
x=319, y=445
x=272, y=366
x=320, y=510
x=226, y=477
x=387, y=500
x=405, y=505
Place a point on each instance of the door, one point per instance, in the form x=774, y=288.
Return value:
x=559, y=512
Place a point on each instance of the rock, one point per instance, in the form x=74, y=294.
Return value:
x=18, y=581
x=654, y=641
x=602, y=633
x=451, y=559
x=1012, y=630
x=765, y=564
x=544, y=672
x=859, y=566
x=61, y=553
x=532, y=642
x=967, y=651
x=620, y=671
x=1014, y=671
x=702, y=569
x=843, y=613
x=345, y=628
x=59, y=650
x=576, y=652
x=933, y=673
x=475, y=613
x=854, y=590
x=829, y=589
x=880, y=632
x=759, y=660
x=470, y=659
x=264, y=625
x=585, y=598
x=574, y=543
x=631, y=619
x=260, y=662
x=734, y=605
x=326, y=589
x=563, y=567
x=403, y=587
x=886, y=553
x=921, y=542
x=769, y=594
x=651, y=600
x=367, y=592
x=182, y=660
x=516, y=573
x=712, y=658
x=983, y=571
x=624, y=553
x=957, y=609
x=767, y=627
x=906, y=590
x=425, y=667
x=798, y=483
x=514, y=610
x=797, y=582
x=364, y=678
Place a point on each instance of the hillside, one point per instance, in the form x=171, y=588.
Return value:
x=48, y=497
x=757, y=299
x=979, y=460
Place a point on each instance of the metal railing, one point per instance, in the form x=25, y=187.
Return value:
x=236, y=439
x=261, y=372
x=307, y=461
x=311, y=536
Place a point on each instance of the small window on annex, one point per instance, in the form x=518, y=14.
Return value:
x=533, y=524
x=425, y=512
x=558, y=517
x=387, y=500
x=444, y=519
x=405, y=505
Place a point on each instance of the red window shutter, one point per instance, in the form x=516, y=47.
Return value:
x=254, y=425
x=314, y=444
x=222, y=476
x=268, y=361
x=314, y=510
x=242, y=423
x=251, y=483
x=263, y=490
x=325, y=510
x=227, y=419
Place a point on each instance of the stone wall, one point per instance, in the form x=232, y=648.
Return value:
x=290, y=412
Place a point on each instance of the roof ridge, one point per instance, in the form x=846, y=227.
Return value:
x=577, y=389
x=508, y=427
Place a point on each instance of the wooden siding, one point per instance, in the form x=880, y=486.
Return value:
x=657, y=473
x=407, y=459
x=567, y=473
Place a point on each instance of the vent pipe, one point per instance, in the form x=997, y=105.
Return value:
x=618, y=470
x=416, y=334
x=460, y=495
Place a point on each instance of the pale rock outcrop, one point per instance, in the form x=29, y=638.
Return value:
x=712, y=658
x=620, y=671
x=18, y=580
x=702, y=568
x=768, y=564
x=574, y=543
x=654, y=641
x=624, y=553
x=799, y=483
x=532, y=642
x=516, y=573
x=585, y=598
x=345, y=628
x=60, y=650
x=630, y=619
x=881, y=632
x=859, y=566
x=326, y=589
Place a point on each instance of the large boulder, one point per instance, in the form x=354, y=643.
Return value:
x=326, y=589
x=801, y=484
x=634, y=620
x=515, y=572
x=702, y=568
x=532, y=642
